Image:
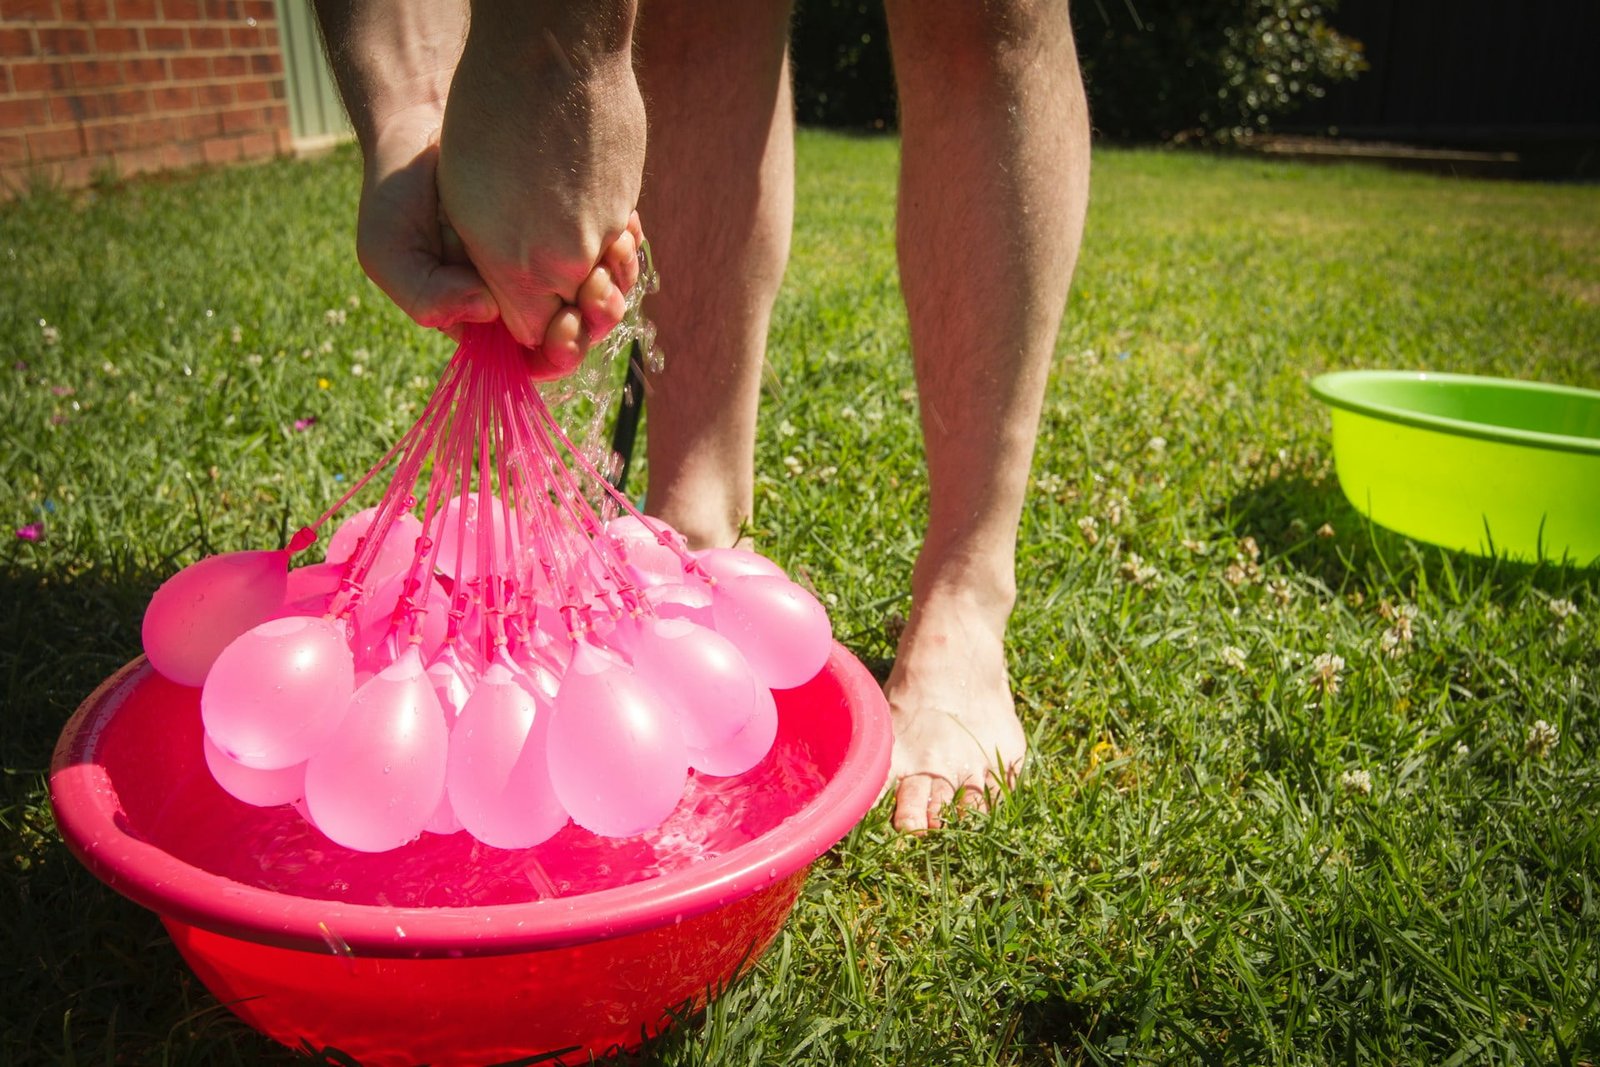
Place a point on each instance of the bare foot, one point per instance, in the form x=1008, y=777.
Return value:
x=956, y=732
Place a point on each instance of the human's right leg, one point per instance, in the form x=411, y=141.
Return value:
x=718, y=200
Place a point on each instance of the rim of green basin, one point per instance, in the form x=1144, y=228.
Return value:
x=1340, y=389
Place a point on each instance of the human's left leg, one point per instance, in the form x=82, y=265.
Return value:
x=993, y=191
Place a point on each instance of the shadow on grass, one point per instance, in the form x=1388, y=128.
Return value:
x=89, y=976
x=1284, y=513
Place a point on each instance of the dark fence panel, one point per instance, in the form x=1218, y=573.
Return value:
x=1507, y=73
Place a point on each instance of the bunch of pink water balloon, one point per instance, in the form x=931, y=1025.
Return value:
x=480, y=651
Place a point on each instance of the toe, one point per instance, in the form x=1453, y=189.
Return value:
x=941, y=794
x=911, y=803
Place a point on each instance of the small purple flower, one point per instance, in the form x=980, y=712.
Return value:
x=62, y=390
x=302, y=425
x=31, y=532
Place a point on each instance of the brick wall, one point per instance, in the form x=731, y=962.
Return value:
x=89, y=87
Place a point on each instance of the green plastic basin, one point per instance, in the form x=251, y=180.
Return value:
x=1485, y=465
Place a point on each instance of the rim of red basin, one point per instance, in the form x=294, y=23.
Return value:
x=90, y=818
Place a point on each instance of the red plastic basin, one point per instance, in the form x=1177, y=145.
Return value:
x=448, y=951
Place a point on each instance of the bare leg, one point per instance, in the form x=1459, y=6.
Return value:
x=993, y=190
x=718, y=201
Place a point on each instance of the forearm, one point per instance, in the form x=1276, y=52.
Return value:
x=391, y=56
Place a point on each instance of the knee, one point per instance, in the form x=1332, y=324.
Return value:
x=940, y=41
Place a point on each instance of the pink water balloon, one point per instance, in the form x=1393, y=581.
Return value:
x=452, y=684
x=700, y=675
x=497, y=776
x=310, y=590
x=781, y=629
x=373, y=621
x=729, y=563
x=278, y=692
x=399, y=544
x=616, y=756
x=458, y=549
x=745, y=749
x=262, y=789
x=683, y=600
x=198, y=611
x=376, y=784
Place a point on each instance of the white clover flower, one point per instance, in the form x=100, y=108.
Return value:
x=334, y=316
x=1233, y=656
x=1461, y=751
x=794, y=466
x=1089, y=527
x=1325, y=531
x=847, y=413
x=1563, y=610
x=1281, y=591
x=357, y=369
x=236, y=335
x=1156, y=444
x=786, y=429
x=1325, y=670
x=1542, y=737
x=1357, y=782
x=1199, y=548
x=1135, y=570
x=1050, y=483
x=48, y=333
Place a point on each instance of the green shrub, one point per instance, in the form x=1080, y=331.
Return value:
x=1155, y=69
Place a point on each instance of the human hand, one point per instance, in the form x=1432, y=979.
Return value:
x=421, y=264
x=538, y=171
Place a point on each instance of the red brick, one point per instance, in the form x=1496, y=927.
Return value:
x=243, y=120
x=55, y=144
x=229, y=66
x=85, y=10
x=39, y=77
x=253, y=92
x=128, y=102
x=164, y=39
x=258, y=145
x=180, y=10
x=245, y=37
x=116, y=39
x=144, y=69
x=180, y=154
x=136, y=10
x=266, y=63
x=276, y=114
x=217, y=95
x=172, y=98
x=108, y=137
x=13, y=149
x=27, y=111
x=27, y=9
x=147, y=132
x=260, y=10
x=220, y=150
x=189, y=68
x=63, y=41
x=222, y=9
x=208, y=38
x=75, y=107
x=269, y=37
x=199, y=127
x=138, y=161
x=16, y=42
x=285, y=138
x=93, y=73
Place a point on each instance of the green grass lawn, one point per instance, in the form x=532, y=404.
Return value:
x=1228, y=847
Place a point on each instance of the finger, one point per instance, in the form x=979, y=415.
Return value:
x=564, y=344
x=452, y=250
x=600, y=303
x=528, y=317
x=449, y=295
x=911, y=804
x=622, y=260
